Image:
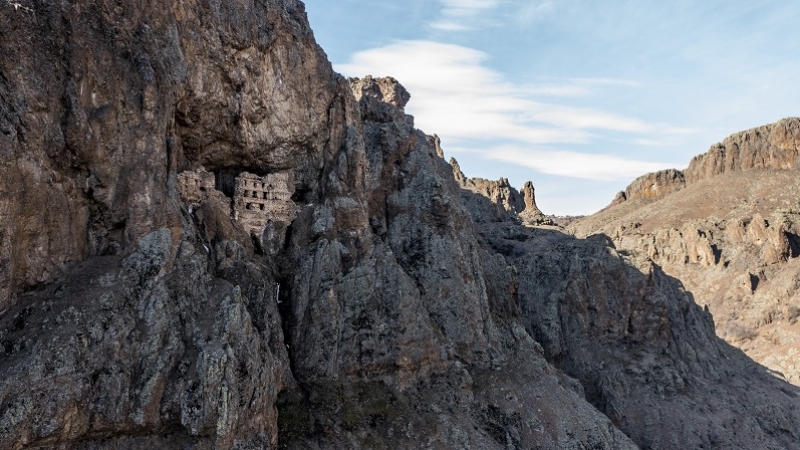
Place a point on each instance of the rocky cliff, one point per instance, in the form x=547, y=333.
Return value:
x=211, y=240
x=773, y=146
x=505, y=202
x=769, y=147
x=731, y=236
x=652, y=186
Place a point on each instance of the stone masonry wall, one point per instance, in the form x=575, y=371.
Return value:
x=260, y=200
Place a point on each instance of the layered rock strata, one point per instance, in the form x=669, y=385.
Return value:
x=773, y=146
x=652, y=186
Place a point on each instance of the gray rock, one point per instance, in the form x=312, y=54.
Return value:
x=387, y=313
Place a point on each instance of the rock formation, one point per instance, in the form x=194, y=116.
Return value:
x=505, y=202
x=140, y=308
x=731, y=236
x=652, y=186
x=773, y=146
x=532, y=215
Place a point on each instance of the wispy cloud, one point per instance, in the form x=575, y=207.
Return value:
x=572, y=87
x=574, y=164
x=466, y=7
x=461, y=15
x=448, y=25
x=456, y=96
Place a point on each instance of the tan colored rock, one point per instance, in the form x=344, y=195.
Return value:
x=732, y=239
x=773, y=146
x=652, y=186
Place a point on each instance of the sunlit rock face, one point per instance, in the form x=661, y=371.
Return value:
x=209, y=239
x=773, y=146
x=730, y=234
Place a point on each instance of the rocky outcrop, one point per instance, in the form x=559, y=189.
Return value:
x=773, y=146
x=644, y=351
x=733, y=241
x=652, y=186
x=532, y=215
x=83, y=179
x=141, y=309
x=382, y=352
x=128, y=316
x=737, y=223
x=137, y=310
x=505, y=202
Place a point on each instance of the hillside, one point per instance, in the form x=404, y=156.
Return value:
x=730, y=234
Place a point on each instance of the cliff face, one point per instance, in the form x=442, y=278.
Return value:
x=773, y=146
x=133, y=95
x=131, y=318
x=731, y=236
x=652, y=186
x=138, y=309
x=211, y=240
x=770, y=147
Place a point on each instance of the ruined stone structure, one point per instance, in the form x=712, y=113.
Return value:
x=196, y=184
x=262, y=200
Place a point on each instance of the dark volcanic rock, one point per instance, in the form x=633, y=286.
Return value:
x=382, y=351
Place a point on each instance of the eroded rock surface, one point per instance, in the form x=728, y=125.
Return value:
x=731, y=236
x=773, y=146
x=137, y=309
x=505, y=202
x=652, y=186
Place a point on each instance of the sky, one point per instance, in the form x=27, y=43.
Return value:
x=578, y=96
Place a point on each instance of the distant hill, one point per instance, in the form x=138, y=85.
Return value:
x=728, y=227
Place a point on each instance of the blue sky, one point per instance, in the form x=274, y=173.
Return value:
x=578, y=96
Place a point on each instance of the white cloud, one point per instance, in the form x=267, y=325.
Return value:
x=446, y=25
x=573, y=87
x=461, y=15
x=576, y=164
x=454, y=95
x=457, y=97
x=457, y=7
x=584, y=118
